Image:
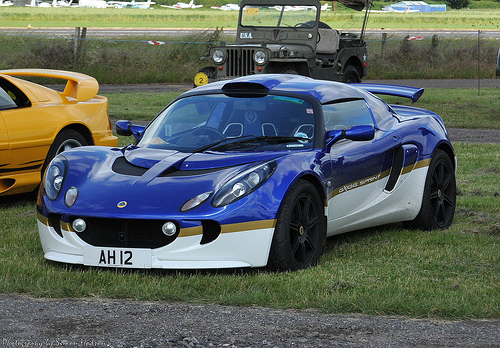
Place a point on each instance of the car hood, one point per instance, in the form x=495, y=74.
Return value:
x=147, y=158
x=151, y=181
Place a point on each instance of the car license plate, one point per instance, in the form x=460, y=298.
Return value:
x=117, y=257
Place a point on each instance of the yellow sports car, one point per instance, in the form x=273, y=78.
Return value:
x=37, y=123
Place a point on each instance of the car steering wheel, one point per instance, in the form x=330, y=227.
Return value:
x=302, y=25
x=212, y=133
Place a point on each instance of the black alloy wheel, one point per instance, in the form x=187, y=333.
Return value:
x=443, y=193
x=300, y=233
x=439, y=199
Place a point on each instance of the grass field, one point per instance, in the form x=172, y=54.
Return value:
x=384, y=271
x=389, y=270
x=119, y=60
x=473, y=19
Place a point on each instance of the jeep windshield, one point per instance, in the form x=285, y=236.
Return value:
x=278, y=16
x=222, y=123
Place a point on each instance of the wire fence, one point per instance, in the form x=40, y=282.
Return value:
x=159, y=56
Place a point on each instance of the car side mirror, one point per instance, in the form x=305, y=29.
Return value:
x=126, y=128
x=356, y=133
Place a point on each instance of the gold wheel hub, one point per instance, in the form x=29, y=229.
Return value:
x=301, y=230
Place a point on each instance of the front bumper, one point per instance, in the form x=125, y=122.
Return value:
x=238, y=245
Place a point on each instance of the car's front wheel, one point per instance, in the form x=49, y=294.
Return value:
x=300, y=233
x=439, y=200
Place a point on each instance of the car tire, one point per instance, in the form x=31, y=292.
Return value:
x=209, y=70
x=65, y=140
x=439, y=200
x=351, y=75
x=300, y=234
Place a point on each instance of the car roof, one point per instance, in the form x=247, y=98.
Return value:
x=323, y=91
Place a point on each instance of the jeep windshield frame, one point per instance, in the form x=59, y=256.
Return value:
x=278, y=16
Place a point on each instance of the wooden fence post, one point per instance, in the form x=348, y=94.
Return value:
x=384, y=45
x=79, y=40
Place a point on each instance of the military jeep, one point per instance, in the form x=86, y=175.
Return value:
x=287, y=36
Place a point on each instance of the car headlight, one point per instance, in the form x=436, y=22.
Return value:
x=260, y=57
x=283, y=52
x=243, y=184
x=195, y=201
x=71, y=196
x=54, y=177
x=218, y=56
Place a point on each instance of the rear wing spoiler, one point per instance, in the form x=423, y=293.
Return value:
x=413, y=93
x=79, y=86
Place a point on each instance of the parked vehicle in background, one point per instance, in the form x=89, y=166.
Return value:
x=287, y=36
x=37, y=123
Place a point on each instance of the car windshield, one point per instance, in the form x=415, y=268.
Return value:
x=278, y=16
x=223, y=123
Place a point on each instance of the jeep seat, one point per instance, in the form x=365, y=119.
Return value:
x=329, y=41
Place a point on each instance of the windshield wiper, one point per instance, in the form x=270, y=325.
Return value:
x=236, y=140
x=284, y=139
x=249, y=142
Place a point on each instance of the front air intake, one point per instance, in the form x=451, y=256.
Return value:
x=211, y=230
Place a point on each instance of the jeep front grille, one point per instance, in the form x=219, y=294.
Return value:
x=240, y=62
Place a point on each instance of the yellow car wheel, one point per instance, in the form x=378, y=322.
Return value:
x=65, y=140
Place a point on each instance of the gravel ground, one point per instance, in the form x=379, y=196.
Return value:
x=27, y=322
x=30, y=322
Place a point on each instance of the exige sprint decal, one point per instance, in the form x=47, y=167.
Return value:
x=356, y=184
x=359, y=183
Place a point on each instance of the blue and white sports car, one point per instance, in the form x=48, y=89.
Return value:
x=252, y=172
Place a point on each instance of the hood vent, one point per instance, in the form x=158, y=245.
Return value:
x=122, y=166
x=172, y=171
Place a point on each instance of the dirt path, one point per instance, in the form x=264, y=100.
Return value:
x=27, y=322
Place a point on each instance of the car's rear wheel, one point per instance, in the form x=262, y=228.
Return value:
x=439, y=200
x=300, y=233
x=351, y=75
x=65, y=140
